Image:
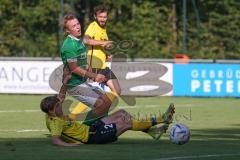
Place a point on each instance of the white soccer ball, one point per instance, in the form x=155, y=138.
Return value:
x=179, y=134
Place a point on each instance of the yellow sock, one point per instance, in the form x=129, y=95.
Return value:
x=79, y=108
x=72, y=116
x=112, y=95
x=159, y=119
x=141, y=125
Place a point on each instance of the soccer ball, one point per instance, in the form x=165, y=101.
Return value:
x=179, y=134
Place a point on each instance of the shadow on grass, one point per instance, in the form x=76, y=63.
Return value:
x=203, y=142
x=223, y=134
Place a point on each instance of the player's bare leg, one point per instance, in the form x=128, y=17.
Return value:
x=113, y=84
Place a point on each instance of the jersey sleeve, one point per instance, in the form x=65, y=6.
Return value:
x=90, y=31
x=70, y=53
x=56, y=127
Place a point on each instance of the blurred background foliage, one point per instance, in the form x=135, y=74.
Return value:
x=31, y=28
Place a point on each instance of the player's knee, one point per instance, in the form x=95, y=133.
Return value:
x=101, y=107
x=100, y=111
x=106, y=99
x=125, y=116
x=122, y=111
x=99, y=102
x=103, y=101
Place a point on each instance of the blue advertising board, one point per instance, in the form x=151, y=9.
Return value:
x=214, y=80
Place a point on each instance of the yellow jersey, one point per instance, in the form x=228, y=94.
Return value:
x=97, y=53
x=71, y=131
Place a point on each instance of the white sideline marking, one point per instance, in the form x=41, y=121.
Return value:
x=120, y=107
x=138, y=106
x=154, y=106
x=199, y=156
x=25, y=130
x=19, y=111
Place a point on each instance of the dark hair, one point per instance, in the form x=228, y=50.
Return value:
x=67, y=18
x=48, y=103
x=100, y=9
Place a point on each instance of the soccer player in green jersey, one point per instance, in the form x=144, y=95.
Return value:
x=74, y=57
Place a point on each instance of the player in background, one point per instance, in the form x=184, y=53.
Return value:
x=97, y=55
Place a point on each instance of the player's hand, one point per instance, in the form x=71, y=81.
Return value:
x=73, y=145
x=107, y=44
x=109, y=58
x=100, y=78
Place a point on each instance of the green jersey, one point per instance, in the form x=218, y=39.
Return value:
x=73, y=50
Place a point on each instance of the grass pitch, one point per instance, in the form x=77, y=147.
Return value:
x=214, y=125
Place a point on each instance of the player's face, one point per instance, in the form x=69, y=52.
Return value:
x=101, y=18
x=73, y=28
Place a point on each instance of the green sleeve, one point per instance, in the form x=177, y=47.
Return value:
x=70, y=52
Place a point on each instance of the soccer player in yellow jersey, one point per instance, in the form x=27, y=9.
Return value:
x=97, y=56
x=66, y=132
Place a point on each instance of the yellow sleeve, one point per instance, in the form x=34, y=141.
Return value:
x=91, y=30
x=55, y=127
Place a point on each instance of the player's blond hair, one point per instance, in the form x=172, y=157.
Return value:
x=67, y=18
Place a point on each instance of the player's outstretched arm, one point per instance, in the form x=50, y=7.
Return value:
x=56, y=140
x=66, y=76
x=89, y=41
x=74, y=68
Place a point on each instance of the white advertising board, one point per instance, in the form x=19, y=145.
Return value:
x=32, y=77
x=27, y=77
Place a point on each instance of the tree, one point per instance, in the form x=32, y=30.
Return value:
x=31, y=28
x=219, y=33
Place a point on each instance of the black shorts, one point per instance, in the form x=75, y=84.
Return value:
x=100, y=133
x=107, y=72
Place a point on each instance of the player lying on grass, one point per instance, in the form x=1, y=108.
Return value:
x=67, y=132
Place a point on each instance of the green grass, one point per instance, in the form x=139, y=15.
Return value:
x=214, y=124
